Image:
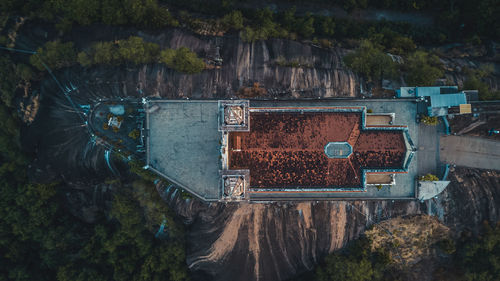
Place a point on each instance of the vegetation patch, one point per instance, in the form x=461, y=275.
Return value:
x=407, y=240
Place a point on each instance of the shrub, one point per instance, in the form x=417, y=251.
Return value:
x=137, y=167
x=431, y=121
x=134, y=134
x=447, y=246
x=325, y=43
x=429, y=177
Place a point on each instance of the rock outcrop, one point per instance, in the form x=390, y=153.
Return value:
x=274, y=241
x=472, y=197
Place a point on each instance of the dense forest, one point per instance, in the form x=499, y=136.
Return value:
x=41, y=240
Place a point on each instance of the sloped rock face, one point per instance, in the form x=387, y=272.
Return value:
x=274, y=241
x=472, y=197
x=245, y=64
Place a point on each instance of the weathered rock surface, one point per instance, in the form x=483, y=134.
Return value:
x=472, y=197
x=274, y=241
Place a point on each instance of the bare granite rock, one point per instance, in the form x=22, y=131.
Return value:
x=274, y=241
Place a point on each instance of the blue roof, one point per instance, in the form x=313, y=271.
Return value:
x=427, y=91
x=448, y=100
x=432, y=91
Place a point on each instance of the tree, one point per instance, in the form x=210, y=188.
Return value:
x=8, y=80
x=55, y=55
x=370, y=62
x=423, y=69
x=353, y=263
x=305, y=26
x=474, y=82
x=233, y=20
x=182, y=60
x=105, y=53
x=345, y=269
x=479, y=257
x=135, y=50
x=328, y=26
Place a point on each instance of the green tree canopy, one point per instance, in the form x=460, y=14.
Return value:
x=182, y=60
x=55, y=55
x=370, y=62
x=423, y=69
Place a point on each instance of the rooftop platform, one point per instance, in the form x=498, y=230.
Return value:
x=184, y=144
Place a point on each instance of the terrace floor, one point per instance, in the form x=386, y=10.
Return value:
x=184, y=145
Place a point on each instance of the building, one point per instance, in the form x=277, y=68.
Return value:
x=234, y=150
x=439, y=99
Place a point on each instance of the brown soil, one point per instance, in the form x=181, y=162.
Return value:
x=475, y=126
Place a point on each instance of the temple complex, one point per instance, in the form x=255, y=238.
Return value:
x=234, y=150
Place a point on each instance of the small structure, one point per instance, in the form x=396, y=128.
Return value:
x=233, y=115
x=465, y=109
x=115, y=122
x=438, y=99
x=338, y=149
x=429, y=189
x=234, y=184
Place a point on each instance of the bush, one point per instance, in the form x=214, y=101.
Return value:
x=137, y=167
x=429, y=177
x=431, y=121
x=134, y=134
x=447, y=246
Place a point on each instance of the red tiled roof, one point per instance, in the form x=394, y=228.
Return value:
x=286, y=149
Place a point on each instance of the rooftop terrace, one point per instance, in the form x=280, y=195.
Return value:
x=287, y=150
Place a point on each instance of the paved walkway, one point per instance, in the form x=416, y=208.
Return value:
x=473, y=152
x=428, y=148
